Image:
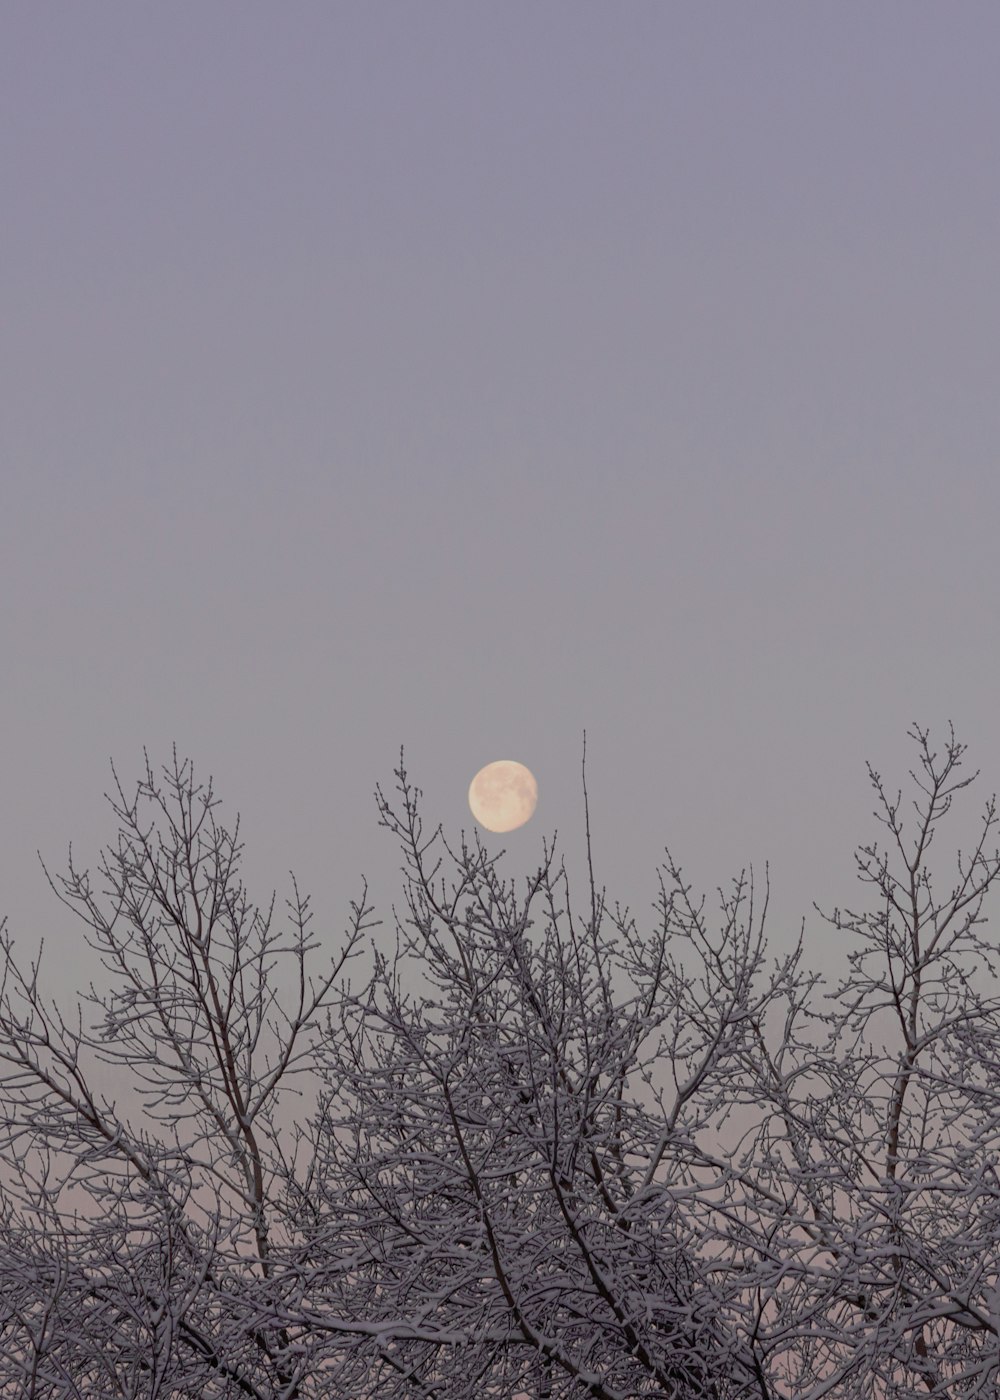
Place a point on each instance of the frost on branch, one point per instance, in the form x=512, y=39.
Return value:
x=528, y=1168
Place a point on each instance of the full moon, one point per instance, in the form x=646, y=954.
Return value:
x=503, y=795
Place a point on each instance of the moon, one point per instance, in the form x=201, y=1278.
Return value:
x=503, y=795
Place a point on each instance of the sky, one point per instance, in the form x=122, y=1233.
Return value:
x=467, y=377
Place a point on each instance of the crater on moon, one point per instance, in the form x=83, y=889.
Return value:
x=503, y=795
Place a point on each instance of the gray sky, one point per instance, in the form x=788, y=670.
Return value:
x=464, y=376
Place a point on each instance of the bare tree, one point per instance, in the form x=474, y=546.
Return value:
x=155, y=1288
x=516, y=1179
x=881, y=1269
x=500, y=1151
